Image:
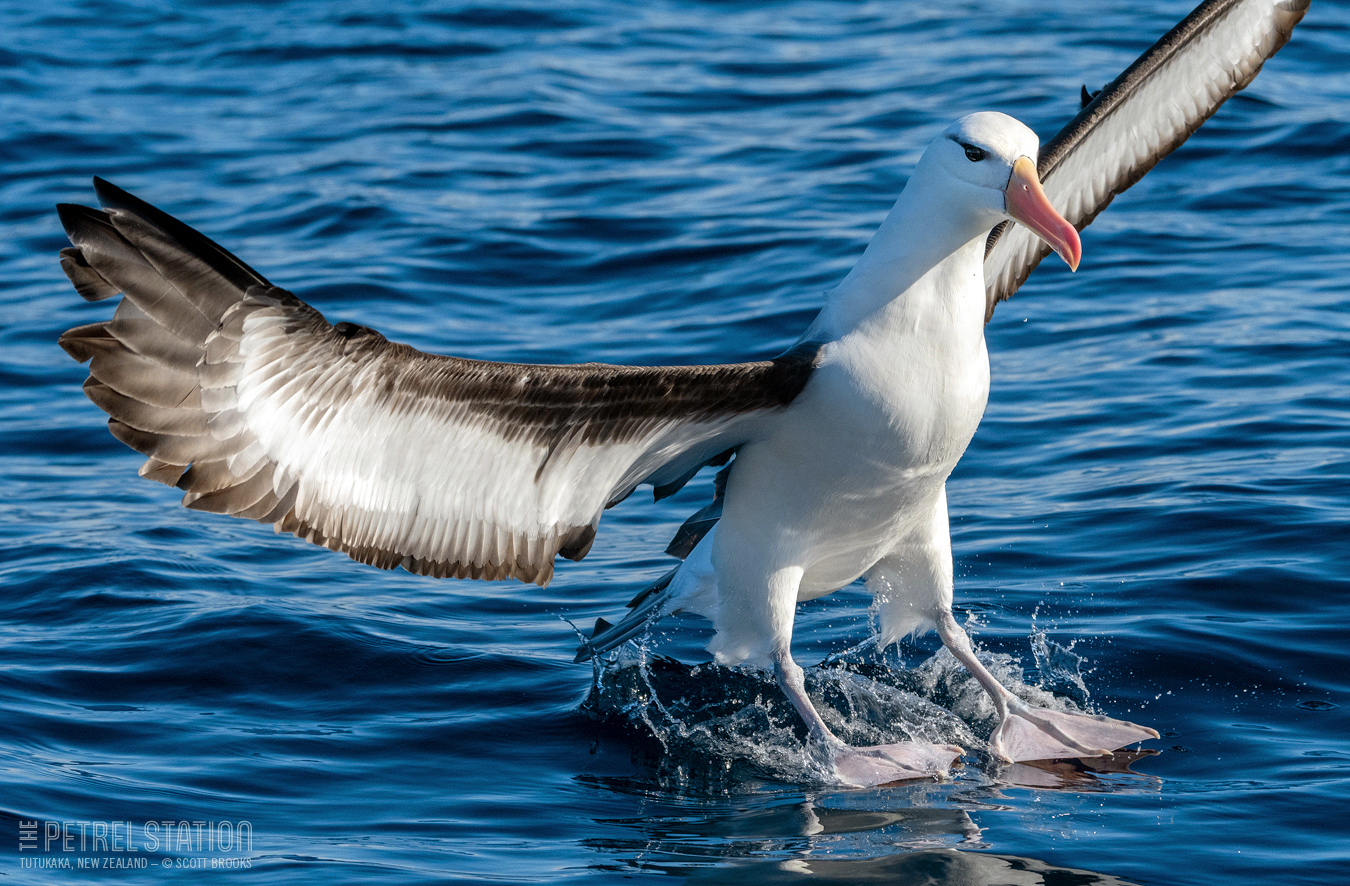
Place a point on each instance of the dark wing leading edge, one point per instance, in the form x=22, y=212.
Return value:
x=1139, y=118
x=251, y=402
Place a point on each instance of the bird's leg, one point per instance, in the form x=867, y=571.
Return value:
x=755, y=614
x=879, y=764
x=1028, y=733
x=792, y=680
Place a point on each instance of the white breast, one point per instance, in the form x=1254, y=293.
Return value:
x=861, y=456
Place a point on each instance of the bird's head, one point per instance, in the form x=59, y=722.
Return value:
x=991, y=160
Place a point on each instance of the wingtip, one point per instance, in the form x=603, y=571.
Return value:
x=68, y=213
x=110, y=196
x=74, y=215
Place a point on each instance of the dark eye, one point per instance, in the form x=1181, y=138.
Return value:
x=974, y=154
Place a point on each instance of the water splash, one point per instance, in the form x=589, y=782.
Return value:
x=707, y=728
x=1059, y=669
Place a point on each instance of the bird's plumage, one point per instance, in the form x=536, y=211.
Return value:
x=249, y=400
x=255, y=405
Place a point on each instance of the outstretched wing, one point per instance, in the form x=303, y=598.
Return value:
x=249, y=400
x=1139, y=118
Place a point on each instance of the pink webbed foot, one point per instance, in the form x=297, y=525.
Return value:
x=1028, y=733
x=886, y=763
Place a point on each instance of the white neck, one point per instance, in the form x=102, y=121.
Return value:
x=921, y=232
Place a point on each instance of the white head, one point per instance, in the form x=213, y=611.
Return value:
x=979, y=172
x=987, y=163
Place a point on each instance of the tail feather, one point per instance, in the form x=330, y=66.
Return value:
x=652, y=602
x=650, y=606
x=702, y=522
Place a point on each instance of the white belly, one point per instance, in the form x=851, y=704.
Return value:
x=855, y=466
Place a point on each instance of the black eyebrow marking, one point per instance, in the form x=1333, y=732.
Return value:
x=971, y=149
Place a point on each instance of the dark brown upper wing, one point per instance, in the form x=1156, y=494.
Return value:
x=249, y=400
x=1139, y=118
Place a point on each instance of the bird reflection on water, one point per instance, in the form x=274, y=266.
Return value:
x=824, y=840
x=925, y=867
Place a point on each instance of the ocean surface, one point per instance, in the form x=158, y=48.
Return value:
x=1153, y=520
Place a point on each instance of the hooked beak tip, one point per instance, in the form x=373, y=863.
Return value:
x=1026, y=203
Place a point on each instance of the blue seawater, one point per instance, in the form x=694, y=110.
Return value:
x=1152, y=520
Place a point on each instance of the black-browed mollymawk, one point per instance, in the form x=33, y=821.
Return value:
x=837, y=451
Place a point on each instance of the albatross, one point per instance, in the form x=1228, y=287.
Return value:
x=834, y=455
